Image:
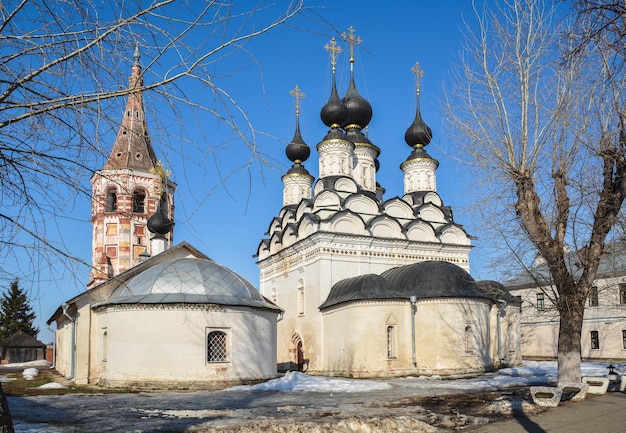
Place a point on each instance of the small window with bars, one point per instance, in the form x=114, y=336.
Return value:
x=217, y=347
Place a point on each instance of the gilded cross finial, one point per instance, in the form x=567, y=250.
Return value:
x=162, y=173
x=352, y=41
x=297, y=95
x=419, y=73
x=334, y=51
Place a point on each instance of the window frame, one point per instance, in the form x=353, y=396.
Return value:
x=225, y=357
x=595, y=340
x=541, y=301
x=594, y=300
x=301, y=307
x=136, y=196
x=391, y=341
x=468, y=339
x=622, y=293
x=110, y=199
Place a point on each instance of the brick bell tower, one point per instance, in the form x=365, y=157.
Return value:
x=126, y=192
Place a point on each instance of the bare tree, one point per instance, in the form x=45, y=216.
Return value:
x=60, y=70
x=546, y=135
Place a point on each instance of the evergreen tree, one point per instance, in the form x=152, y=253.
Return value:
x=16, y=313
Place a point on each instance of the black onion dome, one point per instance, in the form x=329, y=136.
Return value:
x=297, y=150
x=159, y=223
x=419, y=133
x=433, y=279
x=359, y=109
x=335, y=112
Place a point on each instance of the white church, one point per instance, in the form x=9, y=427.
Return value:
x=351, y=283
x=372, y=286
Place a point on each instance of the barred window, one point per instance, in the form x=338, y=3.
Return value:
x=622, y=293
x=216, y=347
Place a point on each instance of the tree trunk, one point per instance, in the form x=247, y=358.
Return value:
x=570, y=328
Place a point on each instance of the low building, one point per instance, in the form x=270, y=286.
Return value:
x=178, y=319
x=21, y=347
x=604, y=325
x=430, y=317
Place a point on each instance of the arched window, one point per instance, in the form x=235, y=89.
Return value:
x=301, y=298
x=105, y=347
x=111, y=199
x=139, y=201
x=391, y=341
x=469, y=340
x=216, y=347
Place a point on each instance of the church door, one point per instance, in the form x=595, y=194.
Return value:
x=297, y=352
x=300, y=356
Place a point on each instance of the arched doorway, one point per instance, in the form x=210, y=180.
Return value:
x=298, y=352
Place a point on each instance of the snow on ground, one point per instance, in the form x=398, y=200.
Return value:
x=40, y=363
x=30, y=373
x=295, y=398
x=296, y=381
x=529, y=373
x=52, y=385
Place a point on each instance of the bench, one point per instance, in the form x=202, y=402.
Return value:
x=581, y=388
x=546, y=396
x=597, y=385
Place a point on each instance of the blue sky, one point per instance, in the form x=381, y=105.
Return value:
x=227, y=220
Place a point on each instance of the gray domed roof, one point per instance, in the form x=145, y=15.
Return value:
x=363, y=287
x=433, y=279
x=192, y=281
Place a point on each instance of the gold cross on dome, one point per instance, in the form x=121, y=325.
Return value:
x=334, y=51
x=164, y=174
x=419, y=73
x=352, y=40
x=297, y=95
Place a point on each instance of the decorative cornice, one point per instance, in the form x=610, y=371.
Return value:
x=215, y=308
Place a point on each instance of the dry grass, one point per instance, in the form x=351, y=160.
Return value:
x=18, y=386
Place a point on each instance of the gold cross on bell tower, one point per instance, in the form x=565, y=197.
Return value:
x=297, y=96
x=334, y=51
x=164, y=174
x=419, y=74
x=352, y=41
